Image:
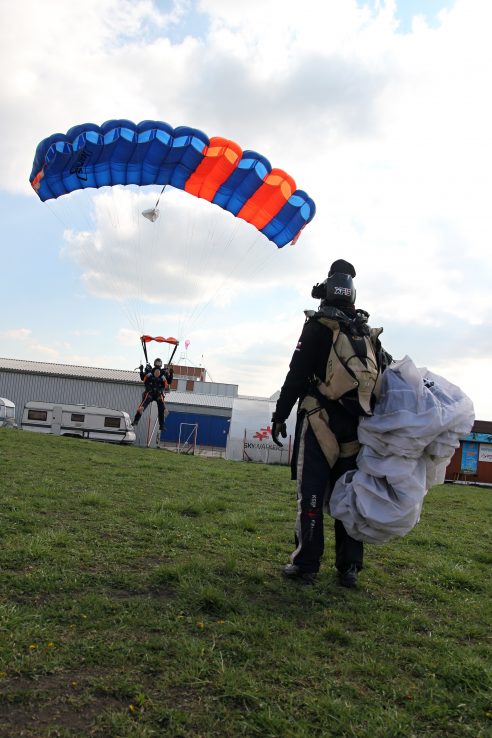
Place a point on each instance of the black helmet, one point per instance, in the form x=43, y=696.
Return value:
x=337, y=289
x=340, y=289
x=158, y=363
x=340, y=265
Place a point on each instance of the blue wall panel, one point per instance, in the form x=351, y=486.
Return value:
x=212, y=429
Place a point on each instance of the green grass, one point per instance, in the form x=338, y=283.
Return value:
x=140, y=596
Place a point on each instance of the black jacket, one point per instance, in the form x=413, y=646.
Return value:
x=168, y=374
x=154, y=385
x=308, y=360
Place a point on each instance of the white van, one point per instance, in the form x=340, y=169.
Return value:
x=7, y=413
x=78, y=421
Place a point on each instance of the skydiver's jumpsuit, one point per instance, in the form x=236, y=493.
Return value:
x=315, y=469
x=155, y=388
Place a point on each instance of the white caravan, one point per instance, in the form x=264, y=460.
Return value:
x=7, y=413
x=78, y=421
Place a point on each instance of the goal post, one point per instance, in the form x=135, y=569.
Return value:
x=187, y=438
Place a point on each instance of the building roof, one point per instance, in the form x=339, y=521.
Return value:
x=115, y=375
x=193, y=398
x=482, y=426
x=69, y=370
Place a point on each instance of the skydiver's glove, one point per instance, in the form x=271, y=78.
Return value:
x=278, y=428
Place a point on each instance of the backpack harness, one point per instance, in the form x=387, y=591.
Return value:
x=352, y=373
x=352, y=377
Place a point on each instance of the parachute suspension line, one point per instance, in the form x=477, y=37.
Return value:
x=103, y=208
x=199, y=309
x=81, y=220
x=118, y=261
x=139, y=257
x=267, y=255
x=262, y=263
x=147, y=246
x=160, y=195
x=209, y=250
x=190, y=262
x=187, y=318
x=126, y=272
x=195, y=267
x=221, y=247
x=54, y=212
x=132, y=287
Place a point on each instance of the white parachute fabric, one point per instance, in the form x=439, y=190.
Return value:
x=406, y=446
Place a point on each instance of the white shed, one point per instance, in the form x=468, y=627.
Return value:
x=250, y=436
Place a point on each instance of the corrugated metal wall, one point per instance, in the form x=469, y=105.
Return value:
x=21, y=388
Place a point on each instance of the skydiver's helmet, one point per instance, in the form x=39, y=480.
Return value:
x=338, y=288
x=158, y=363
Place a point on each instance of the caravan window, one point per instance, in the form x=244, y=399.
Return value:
x=77, y=418
x=37, y=414
x=111, y=422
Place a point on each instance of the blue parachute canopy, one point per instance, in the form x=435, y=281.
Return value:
x=120, y=152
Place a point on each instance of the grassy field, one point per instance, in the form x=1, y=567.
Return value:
x=141, y=596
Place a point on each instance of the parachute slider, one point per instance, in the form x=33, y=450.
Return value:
x=151, y=214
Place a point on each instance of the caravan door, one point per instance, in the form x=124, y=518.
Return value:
x=56, y=420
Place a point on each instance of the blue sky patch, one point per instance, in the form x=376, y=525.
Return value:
x=406, y=10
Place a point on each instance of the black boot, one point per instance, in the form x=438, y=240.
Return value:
x=348, y=578
x=292, y=571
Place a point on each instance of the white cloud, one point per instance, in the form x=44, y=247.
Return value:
x=388, y=132
x=17, y=334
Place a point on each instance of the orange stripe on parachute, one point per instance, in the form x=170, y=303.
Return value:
x=268, y=199
x=37, y=180
x=160, y=339
x=221, y=158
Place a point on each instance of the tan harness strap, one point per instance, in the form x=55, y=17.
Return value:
x=319, y=422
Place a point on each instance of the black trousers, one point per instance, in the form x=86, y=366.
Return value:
x=315, y=480
x=147, y=398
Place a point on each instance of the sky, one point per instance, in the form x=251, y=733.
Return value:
x=380, y=110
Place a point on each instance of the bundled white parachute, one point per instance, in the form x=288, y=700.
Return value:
x=406, y=446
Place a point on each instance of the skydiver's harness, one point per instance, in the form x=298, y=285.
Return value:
x=351, y=378
x=155, y=388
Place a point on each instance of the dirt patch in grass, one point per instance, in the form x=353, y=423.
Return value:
x=53, y=702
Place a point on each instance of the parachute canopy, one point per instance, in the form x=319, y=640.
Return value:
x=120, y=152
x=159, y=339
